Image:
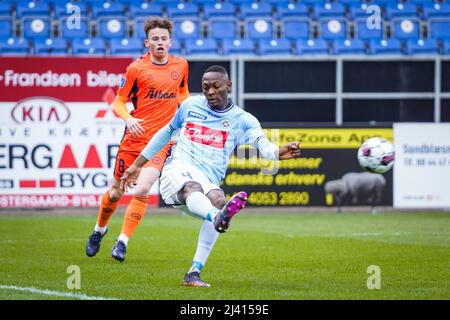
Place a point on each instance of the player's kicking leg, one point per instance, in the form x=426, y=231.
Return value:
x=233, y=206
x=108, y=206
x=196, y=202
x=135, y=211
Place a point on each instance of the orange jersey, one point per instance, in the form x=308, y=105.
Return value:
x=155, y=92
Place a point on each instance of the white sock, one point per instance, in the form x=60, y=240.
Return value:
x=200, y=205
x=123, y=237
x=206, y=240
x=102, y=230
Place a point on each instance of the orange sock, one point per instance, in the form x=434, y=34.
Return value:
x=134, y=214
x=106, y=210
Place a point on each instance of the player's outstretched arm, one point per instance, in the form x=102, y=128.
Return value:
x=289, y=151
x=270, y=151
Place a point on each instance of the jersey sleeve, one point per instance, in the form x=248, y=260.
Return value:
x=180, y=115
x=128, y=84
x=252, y=130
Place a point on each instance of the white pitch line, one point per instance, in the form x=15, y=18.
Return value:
x=80, y=296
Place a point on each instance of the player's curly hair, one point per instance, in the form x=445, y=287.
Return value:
x=156, y=22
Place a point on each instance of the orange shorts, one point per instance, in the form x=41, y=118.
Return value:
x=126, y=157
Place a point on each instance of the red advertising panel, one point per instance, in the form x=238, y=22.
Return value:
x=58, y=133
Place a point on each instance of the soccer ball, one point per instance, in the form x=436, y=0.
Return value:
x=376, y=155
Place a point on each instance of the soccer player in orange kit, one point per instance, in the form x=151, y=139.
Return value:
x=157, y=83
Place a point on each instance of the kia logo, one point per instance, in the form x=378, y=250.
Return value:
x=40, y=110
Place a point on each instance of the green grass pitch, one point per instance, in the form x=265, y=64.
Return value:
x=262, y=256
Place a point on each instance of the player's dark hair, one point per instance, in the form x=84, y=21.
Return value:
x=218, y=69
x=156, y=22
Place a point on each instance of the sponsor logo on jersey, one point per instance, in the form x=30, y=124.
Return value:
x=158, y=94
x=196, y=115
x=122, y=82
x=174, y=75
x=205, y=135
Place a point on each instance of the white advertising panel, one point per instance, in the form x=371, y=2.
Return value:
x=422, y=165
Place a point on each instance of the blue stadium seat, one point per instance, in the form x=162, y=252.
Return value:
x=165, y=2
x=223, y=28
x=5, y=9
x=350, y=3
x=89, y=46
x=259, y=28
x=219, y=10
x=126, y=47
x=238, y=46
x=36, y=27
x=291, y=10
x=71, y=30
x=14, y=46
x=176, y=48
x=276, y=2
x=240, y=2
x=32, y=8
x=182, y=10
x=446, y=47
x=275, y=46
x=204, y=2
x=401, y=10
x=51, y=46
x=129, y=2
x=422, y=3
x=363, y=32
x=313, y=2
x=261, y=9
x=187, y=28
x=145, y=10
x=295, y=28
x=422, y=46
x=311, y=47
x=439, y=29
x=388, y=46
x=107, y=9
x=329, y=10
x=436, y=10
x=347, y=46
x=200, y=46
x=139, y=31
x=66, y=8
x=333, y=29
x=6, y=28
x=359, y=10
x=112, y=27
x=384, y=3
x=406, y=29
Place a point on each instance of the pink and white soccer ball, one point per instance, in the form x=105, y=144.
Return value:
x=376, y=155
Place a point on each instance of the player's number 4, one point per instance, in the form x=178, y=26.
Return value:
x=187, y=174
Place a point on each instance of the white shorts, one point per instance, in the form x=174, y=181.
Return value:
x=175, y=175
